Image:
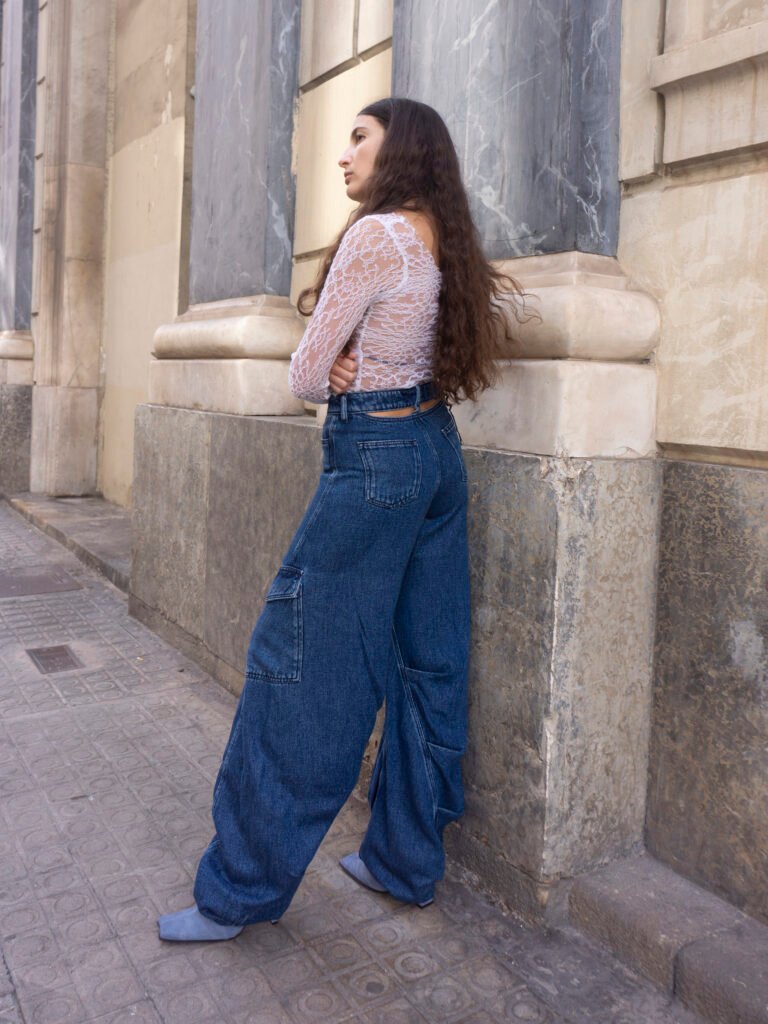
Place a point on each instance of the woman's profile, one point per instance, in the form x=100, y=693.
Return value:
x=371, y=601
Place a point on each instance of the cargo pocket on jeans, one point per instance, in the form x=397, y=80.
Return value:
x=275, y=648
x=445, y=764
x=392, y=471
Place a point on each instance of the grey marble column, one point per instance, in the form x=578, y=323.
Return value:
x=17, y=160
x=530, y=93
x=242, y=186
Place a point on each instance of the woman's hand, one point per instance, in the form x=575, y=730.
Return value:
x=343, y=371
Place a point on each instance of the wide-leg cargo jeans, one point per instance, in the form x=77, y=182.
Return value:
x=370, y=604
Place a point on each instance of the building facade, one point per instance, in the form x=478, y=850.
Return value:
x=169, y=182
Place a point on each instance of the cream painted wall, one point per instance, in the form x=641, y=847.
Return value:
x=702, y=250
x=335, y=83
x=688, y=20
x=144, y=211
x=692, y=231
x=326, y=114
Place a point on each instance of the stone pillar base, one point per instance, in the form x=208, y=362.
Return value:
x=72, y=413
x=15, y=431
x=568, y=407
x=15, y=410
x=563, y=597
x=230, y=356
x=16, y=351
x=241, y=386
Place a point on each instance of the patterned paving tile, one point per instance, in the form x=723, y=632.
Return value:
x=106, y=774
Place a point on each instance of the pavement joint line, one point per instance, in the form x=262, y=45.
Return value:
x=116, y=790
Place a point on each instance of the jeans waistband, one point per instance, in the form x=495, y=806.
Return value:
x=390, y=398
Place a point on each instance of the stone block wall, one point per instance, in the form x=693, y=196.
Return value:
x=708, y=783
x=562, y=562
x=15, y=432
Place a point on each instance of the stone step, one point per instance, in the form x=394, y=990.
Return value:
x=696, y=946
x=97, y=531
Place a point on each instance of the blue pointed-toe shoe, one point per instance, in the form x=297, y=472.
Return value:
x=355, y=868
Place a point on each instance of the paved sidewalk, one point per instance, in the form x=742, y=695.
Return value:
x=106, y=772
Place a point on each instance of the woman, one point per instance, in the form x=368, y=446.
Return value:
x=372, y=599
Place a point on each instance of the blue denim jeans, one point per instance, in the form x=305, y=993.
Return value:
x=370, y=604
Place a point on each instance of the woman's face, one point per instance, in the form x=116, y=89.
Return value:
x=358, y=158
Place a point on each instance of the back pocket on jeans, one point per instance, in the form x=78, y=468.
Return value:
x=392, y=471
x=275, y=648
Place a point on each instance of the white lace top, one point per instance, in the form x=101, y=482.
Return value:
x=381, y=291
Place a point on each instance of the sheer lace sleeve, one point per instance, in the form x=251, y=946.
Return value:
x=367, y=265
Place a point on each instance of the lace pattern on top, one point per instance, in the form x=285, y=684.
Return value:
x=382, y=292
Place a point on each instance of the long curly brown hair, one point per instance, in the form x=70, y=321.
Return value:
x=416, y=168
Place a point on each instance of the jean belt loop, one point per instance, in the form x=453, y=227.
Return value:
x=418, y=398
x=344, y=408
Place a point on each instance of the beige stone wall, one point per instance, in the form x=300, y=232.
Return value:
x=693, y=158
x=690, y=20
x=144, y=216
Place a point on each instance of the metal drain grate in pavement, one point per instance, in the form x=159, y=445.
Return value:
x=25, y=582
x=54, y=659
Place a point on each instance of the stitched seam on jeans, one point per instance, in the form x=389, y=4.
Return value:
x=446, y=432
x=439, y=480
x=227, y=753
x=417, y=722
x=321, y=502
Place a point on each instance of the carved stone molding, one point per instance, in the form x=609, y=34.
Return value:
x=694, y=84
x=716, y=93
x=579, y=382
x=229, y=356
x=260, y=327
x=588, y=309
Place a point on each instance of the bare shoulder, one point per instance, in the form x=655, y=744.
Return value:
x=424, y=226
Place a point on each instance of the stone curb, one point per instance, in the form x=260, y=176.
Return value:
x=96, y=537
x=696, y=946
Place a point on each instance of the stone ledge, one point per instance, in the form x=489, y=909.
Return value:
x=725, y=978
x=95, y=530
x=714, y=94
x=685, y=939
x=574, y=408
x=706, y=56
x=242, y=387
